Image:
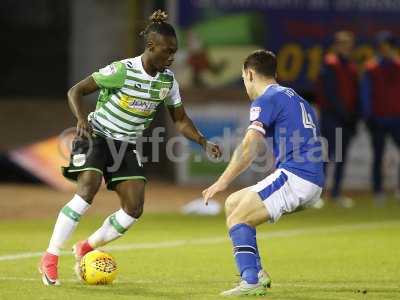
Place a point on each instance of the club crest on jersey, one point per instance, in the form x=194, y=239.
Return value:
x=163, y=93
x=78, y=160
x=254, y=113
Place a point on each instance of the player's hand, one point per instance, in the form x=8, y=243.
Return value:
x=217, y=187
x=212, y=149
x=83, y=128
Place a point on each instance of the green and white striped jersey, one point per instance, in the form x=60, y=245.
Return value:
x=129, y=98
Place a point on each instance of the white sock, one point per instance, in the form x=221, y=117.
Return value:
x=113, y=227
x=67, y=220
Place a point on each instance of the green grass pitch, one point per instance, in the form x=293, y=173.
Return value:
x=331, y=253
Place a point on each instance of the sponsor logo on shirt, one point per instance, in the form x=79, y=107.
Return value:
x=138, y=106
x=142, y=105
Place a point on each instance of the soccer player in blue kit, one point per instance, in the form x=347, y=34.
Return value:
x=280, y=114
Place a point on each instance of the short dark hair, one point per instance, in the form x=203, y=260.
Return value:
x=262, y=61
x=159, y=25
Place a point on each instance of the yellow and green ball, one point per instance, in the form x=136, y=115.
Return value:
x=98, y=268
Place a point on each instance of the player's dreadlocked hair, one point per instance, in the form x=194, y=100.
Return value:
x=159, y=25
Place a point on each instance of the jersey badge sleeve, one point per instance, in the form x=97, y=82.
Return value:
x=262, y=114
x=112, y=76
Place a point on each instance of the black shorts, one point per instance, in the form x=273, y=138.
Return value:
x=115, y=160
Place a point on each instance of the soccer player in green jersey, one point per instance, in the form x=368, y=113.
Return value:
x=131, y=90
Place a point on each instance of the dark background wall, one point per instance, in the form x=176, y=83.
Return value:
x=34, y=48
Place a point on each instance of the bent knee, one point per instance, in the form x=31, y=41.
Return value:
x=133, y=207
x=88, y=186
x=87, y=192
x=135, y=212
x=230, y=204
x=249, y=211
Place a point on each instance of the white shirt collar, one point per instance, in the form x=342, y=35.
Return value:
x=140, y=63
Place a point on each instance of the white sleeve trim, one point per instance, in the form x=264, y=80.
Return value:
x=258, y=128
x=174, y=97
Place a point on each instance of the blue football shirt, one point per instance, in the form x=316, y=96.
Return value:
x=289, y=124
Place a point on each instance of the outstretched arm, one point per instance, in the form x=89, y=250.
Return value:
x=75, y=94
x=242, y=158
x=186, y=127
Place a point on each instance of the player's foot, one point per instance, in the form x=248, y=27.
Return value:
x=48, y=268
x=344, y=202
x=246, y=289
x=79, y=250
x=318, y=204
x=264, y=279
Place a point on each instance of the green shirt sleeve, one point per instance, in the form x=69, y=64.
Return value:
x=111, y=77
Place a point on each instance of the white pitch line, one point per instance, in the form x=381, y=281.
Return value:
x=322, y=285
x=219, y=240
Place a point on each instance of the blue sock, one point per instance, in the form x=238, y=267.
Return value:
x=245, y=251
x=259, y=265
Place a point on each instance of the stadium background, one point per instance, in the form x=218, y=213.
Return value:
x=47, y=46
x=51, y=45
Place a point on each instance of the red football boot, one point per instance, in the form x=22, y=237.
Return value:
x=49, y=269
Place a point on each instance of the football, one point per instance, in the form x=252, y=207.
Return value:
x=98, y=268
